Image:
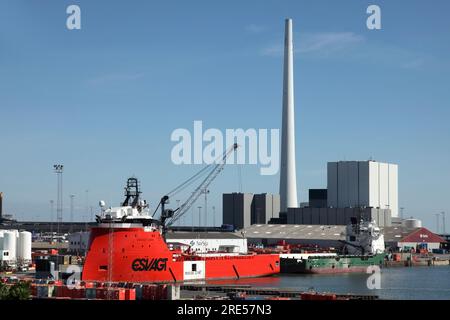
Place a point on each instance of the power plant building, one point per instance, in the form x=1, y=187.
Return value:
x=337, y=216
x=363, y=184
x=244, y=209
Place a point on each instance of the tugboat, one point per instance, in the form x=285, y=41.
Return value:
x=363, y=247
x=128, y=245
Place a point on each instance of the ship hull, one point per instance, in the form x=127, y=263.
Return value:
x=140, y=256
x=334, y=265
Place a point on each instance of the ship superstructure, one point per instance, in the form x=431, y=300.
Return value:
x=363, y=237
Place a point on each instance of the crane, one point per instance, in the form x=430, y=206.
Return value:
x=169, y=216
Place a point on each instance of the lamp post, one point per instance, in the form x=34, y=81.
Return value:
x=199, y=215
x=437, y=222
x=205, y=192
x=51, y=219
x=72, y=196
x=59, y=202
x=443, y=222
x=71, y=212
x=86, y=199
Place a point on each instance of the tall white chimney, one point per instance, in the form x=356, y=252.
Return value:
x=288, y=175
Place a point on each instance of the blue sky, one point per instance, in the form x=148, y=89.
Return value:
x=104, y=100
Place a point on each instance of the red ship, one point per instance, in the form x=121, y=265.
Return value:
x=128, y=245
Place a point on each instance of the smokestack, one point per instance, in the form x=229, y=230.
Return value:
x=288, y=175
x=1, y=206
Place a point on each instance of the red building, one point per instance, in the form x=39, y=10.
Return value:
x=405, y=239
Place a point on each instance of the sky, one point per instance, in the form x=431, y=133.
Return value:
x=104, y=100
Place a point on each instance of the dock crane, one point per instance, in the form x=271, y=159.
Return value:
x=211, y=171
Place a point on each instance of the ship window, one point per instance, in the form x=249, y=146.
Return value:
x=194, y=267
x=103, y=267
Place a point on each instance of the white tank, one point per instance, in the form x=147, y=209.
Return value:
x=24, y=251
x=9, y=243
x=413, y=223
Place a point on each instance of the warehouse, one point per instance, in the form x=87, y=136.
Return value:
x=402, y=238
x=325, y=236
x=397, y=238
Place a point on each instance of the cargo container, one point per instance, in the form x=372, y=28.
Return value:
x=130, y=294
x=91, y=293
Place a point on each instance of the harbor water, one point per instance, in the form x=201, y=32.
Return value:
x=414, y=283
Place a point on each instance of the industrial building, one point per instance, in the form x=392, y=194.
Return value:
x=446, y=244
x=362, y=184
x=317, y=199
x=78, y=242
x=360, y=189
x=397, y=238
x=313, y=235
x=244, y=209
x=3, y=217
x=337, y=216
x=404, y=238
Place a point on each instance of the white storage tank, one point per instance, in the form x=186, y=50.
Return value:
x=412, y=223
x=24, y=251
x=10, y=243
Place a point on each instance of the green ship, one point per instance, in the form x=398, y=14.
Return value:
x=363, y=247
x=327, y=264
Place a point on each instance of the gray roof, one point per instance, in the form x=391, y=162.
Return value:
x=317, y=232
x=202, y=235
x=396, y=233
x=295, y=231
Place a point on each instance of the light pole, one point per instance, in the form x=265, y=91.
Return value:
x=71, y=207
x=59, y=202
x=199, y=215
x=437, y=222
x=443, y=222
x=51, y=219
x=205, y=192
x=401, y=212
x=87, y=201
